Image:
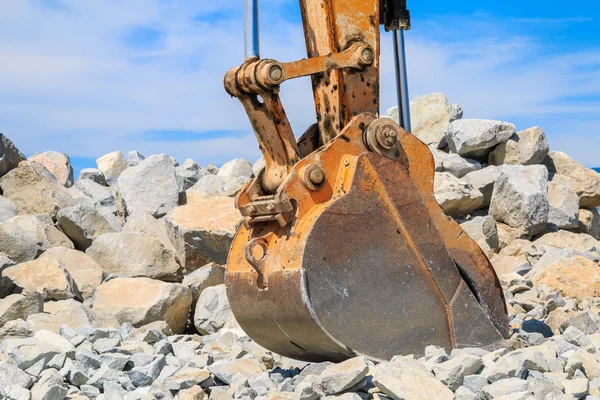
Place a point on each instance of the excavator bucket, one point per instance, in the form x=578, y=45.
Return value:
x=344, y=250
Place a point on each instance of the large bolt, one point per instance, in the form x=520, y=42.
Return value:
x=367, y=55
x=386, y=137
x=275, y=73
x=314, y=177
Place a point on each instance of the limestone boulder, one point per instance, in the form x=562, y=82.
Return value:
x=507, y=235
x=505, y=264
x=239, y=168
x=10, y=156
x=25, y=237
x=477, y=137
x=214, y=185
x=140, y=301
x=86, y=221
x=104, y=195
x=143, y=222
x=58, y=164
x=46, y=276
x=212, y=310
x=188, y=174
x=92, y=174
x=528, y=147
x=589, y=222
x=28, y=351
x=581, y=243
x=8, y=209
x=458, y=166
x=129, y=254
x=457, y=198
x=587, y=181
x=211, y=274
x=150, y=186
x=34, y=190
x=202, y=231
x=564, y=207
x=86, y=273
x=6, y=285
x=484, y=180
x=134, y=157
x=337, y=378
x=74, y=315
x=430, y=116
x=484, y=231
x=575, y=277
x=520, y=198
x=112, y=165
x=18, y=306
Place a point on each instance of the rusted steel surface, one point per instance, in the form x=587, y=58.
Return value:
x=361, y=260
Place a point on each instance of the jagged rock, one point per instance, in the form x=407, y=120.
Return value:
x=50, y=386
x=112, y=165
x=84, y=222
x=15, y=329
x=213, y=185
x=587, y=181
x=10, y=374
x=74, y=315
x=34, y=190
x=186, y=378
x=582, y=243
x=132, y=255
x=550, y=256
x=193, y=393
x=138, y=187
x=505, y=387
x=58, y=164
x=10, y=156
x=226, y=370
x=134, y=157
x=409, y=380
x=86, y=273
x=520, y=198
x=564, y=207
x=484, y=231
x=18, y=306
x=507, y=235
x=483, y=180
x=143, y=222
x=589, y=222
x=26, y=352
x=528, y=147
x=431, y=114
x=25, y=237
x=139, y=301
x=105, y=196
x=458, y=166
x=505, y=264
x=46, y=276
x=516, y=364
x=337, y=378
x=575, y=277
x=6, y=285
x=209, y=275
x=92, y=174
x=202, y=231
x=8, y=209
x=457, y=198
x=239, y=168
x=477, y=137
x=578, y=387
x=452, y=372
x=212, y=310
x=188, y=174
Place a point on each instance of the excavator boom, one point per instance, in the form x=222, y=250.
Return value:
x=343, y=249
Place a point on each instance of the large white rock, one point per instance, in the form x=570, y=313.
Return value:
x=520, y=198
x=564, y=207
x=104, y=195
x=209, y=275
x=589, y=222
x=46, y=276
x=484, y=231
x=74, y=315
x=476, y=137
x=483, y=180
x=587, y=181
x=140, y=301
x=112, y=165
x=337, y=378
x=18, y=306
x=129, y=254
x=580, y=242
x=528, y=147
x=92, y=174
x=458, y=166
x=150, y=186
x=35, y=190
x=143, y=222
x=202, y=231
x=25, y=237
x=188, y=174
x=212, y=310
x=430, y=116
x=8, y=209
x=86, y=221
x=239, y=168
x=58, y=164
x=457, y=198
x=10, y=156
x=86, y=273
x=134, y=157
x=214, y=185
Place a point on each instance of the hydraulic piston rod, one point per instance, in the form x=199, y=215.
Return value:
x=251, y=29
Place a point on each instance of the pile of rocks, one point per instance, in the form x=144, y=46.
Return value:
x=112, y=285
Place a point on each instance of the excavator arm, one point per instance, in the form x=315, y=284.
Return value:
x=343, y=249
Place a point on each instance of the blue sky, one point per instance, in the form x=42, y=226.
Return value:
x=90, y=77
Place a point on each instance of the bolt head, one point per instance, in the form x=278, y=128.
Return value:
x=387, y=137
x=317, y=176
x=276, y=73
x=367, y=55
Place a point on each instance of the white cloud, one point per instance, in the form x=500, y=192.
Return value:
x=68, y=82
